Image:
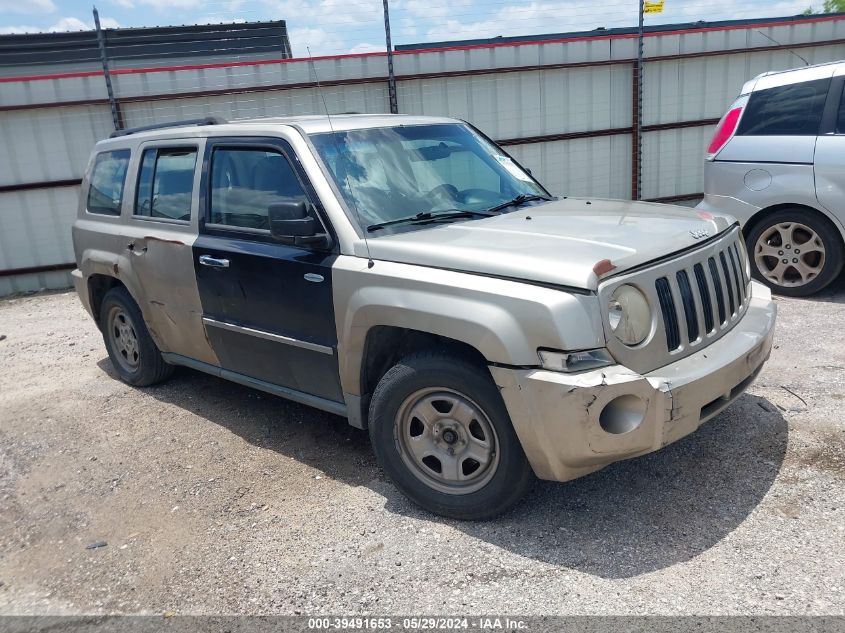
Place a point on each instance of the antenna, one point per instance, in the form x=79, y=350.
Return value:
x=370, y=262
x=806, y=63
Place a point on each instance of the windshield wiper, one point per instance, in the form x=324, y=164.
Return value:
x=427, y=216
x=517, y=202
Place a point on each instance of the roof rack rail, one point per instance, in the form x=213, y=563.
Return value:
x=210, y=120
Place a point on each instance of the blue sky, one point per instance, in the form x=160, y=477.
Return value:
x=343, y=26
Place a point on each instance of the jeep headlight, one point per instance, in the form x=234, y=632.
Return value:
x=629, y=315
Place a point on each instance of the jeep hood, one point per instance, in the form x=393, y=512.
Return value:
x=557, y=242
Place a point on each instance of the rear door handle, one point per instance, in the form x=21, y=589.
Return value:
x=208, y=260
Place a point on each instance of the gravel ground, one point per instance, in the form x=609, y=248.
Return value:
x=213, y=498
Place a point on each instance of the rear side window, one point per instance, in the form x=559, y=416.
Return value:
x=245, y=182
x=166, y=182
x=791, y=110
x=108, y=177
x=840, y=116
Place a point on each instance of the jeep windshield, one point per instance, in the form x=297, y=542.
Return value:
x=406, y=177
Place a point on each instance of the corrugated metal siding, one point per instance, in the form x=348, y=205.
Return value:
x=261, y=104
x=528, y=103
x=18, y=93
x=50, y=144
x=36, y=232
x=502, y=89
x=569, y=168
x=673, y=161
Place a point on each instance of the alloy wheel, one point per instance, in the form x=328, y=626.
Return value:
x=789, y=254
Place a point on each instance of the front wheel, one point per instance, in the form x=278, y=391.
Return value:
x=795, y=252
x=441, y=432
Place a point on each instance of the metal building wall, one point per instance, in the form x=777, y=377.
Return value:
x=564, y=108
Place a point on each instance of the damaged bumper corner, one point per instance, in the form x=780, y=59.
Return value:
x=570, y=425
x=81, y=287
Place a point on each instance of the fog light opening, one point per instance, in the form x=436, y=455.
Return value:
x=623, y=414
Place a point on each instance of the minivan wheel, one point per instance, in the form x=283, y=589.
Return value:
x=795, y=252
x=131, y=349
x=441, y=432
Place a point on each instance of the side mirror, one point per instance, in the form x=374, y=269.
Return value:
x=291, y=224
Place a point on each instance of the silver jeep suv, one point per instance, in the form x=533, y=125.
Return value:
x=406, y=273
x=777, y=163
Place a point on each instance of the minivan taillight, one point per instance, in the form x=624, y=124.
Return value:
x=724, y=131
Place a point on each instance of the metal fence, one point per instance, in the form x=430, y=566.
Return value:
x=565, y=106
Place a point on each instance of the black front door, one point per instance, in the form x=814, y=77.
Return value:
x=267, y=307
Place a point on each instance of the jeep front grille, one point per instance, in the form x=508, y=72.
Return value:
x=685, y=305
x=696, y=297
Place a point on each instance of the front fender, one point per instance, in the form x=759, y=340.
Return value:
x=506, y=321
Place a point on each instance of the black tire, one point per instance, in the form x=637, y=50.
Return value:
x=831, y=266
x=508, y=479
x=145, y=366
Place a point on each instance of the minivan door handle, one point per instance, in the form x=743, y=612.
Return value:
x=208, y=260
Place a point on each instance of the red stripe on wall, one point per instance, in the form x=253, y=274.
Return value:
x=563, y=40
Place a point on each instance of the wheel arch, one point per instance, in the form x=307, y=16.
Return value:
x=98, y=285
x=765, y=212
x=824, y=223
x=385, y=345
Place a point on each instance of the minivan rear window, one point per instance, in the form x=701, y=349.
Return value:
x=105, y=192
x=792, y=110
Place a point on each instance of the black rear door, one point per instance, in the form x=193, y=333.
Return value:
x=267, y=307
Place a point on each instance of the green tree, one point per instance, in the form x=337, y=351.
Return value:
x=829, y=6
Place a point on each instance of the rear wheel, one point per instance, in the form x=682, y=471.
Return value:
x=795, y=252
x=131, y=349
x=441, y=432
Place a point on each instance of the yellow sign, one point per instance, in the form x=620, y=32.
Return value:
x=653, y=7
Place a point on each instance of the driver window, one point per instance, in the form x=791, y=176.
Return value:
x=165, y=183
x=245, y=182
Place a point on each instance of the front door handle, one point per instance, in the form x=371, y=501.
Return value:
x=208, y=260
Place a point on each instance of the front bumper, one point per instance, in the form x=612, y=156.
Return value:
x=561, y=419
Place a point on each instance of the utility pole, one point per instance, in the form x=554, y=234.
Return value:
x=101, y=41
x=391, y=79
x=639, y=100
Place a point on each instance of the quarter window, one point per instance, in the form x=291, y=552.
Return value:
x=245, y=182
x=791, y=110
x=165, y=183
x=108, y=177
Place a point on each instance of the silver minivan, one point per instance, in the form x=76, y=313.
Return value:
x=777, y=163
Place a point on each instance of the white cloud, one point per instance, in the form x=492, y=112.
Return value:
x=366, y=47
x=430, y=9
x=63, y=25
x=218, y=19
x=18, y=30
x=461, y=19
x=31, y=7
x=71, y=24
x=316, y=40
x=124, y=4
x=531, y=18
x=328, y=12
x=163, y=6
